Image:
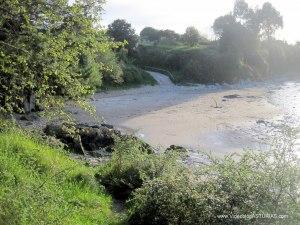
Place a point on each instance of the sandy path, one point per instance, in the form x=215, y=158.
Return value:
x=198, y=117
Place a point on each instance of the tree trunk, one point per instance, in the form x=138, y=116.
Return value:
x=29, y=102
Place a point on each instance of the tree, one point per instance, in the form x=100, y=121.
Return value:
x=170, y=35
x=237, y=38
x=241, y=9
x=191, y=36
x=121, y=31
x=270, y=20
x=41, y=47
x=150, y=34
x=222, y=23
x=92, y=8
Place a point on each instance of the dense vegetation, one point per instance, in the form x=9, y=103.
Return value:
x=245, y=48
x=51, y=51
x=43, y=185
x=162, y=190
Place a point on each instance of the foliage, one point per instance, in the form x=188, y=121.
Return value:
x=156, y=36
x=42, y=185
x=281, y=56
x=113, y=73
x=204, y=64
x=222, y=23
x=254, y=184
x=49, y=49
x=162, y=190
x=130, y=164
x=132, y=76
x=270, y=19
x=121, y=30
x=191, y=36
x=135, y=76
x=238, y=53
x=150, y=34
x=169, y=35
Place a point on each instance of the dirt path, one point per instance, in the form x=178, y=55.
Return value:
x=218, y=118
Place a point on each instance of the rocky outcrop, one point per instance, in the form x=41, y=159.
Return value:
x=84, y=139
x=95, y=140
x=177, y=149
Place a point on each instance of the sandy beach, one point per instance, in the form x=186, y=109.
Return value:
x=217, y=118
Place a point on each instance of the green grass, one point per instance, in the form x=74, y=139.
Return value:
x=176, y=47
x=43, y=185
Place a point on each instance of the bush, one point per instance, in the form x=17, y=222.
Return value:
x=203, y=64
x=257, y=183
x=111, y=69
x=130, y=165
x=136, y=76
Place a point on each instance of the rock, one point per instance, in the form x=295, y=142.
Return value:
x=24, y=118
x=107, y=125
x=95, y=138
x=66, y=133
x=262, y=122
x=178, y=149
x=28, y=117
x=232, y=96
x=84, y=139
x=28, y=123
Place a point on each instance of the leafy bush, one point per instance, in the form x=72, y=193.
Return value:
x=112, y=69
x=196, y=65
x=130, y=165
x=136, y=76
x=42, y=185
x=49, y=50
x=204, y=64
x=132, y=76
x=257, y=183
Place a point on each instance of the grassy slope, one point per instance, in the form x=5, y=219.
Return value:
x=175, y=46
x=42, y=185
x=171, y=49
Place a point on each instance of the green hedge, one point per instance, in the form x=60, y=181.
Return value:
x=204, y=64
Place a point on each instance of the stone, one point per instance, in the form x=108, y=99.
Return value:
x=178, y=149
x=84, y=139
x=232, y=96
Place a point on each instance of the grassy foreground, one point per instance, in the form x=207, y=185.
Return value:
x=42, y=185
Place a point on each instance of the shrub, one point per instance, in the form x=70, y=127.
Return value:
x=136, y=76
x=130, y=165
x=256, y=183
x=204, y=64
x=111, y=68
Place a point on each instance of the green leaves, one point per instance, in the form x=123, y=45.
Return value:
x=41, y=43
